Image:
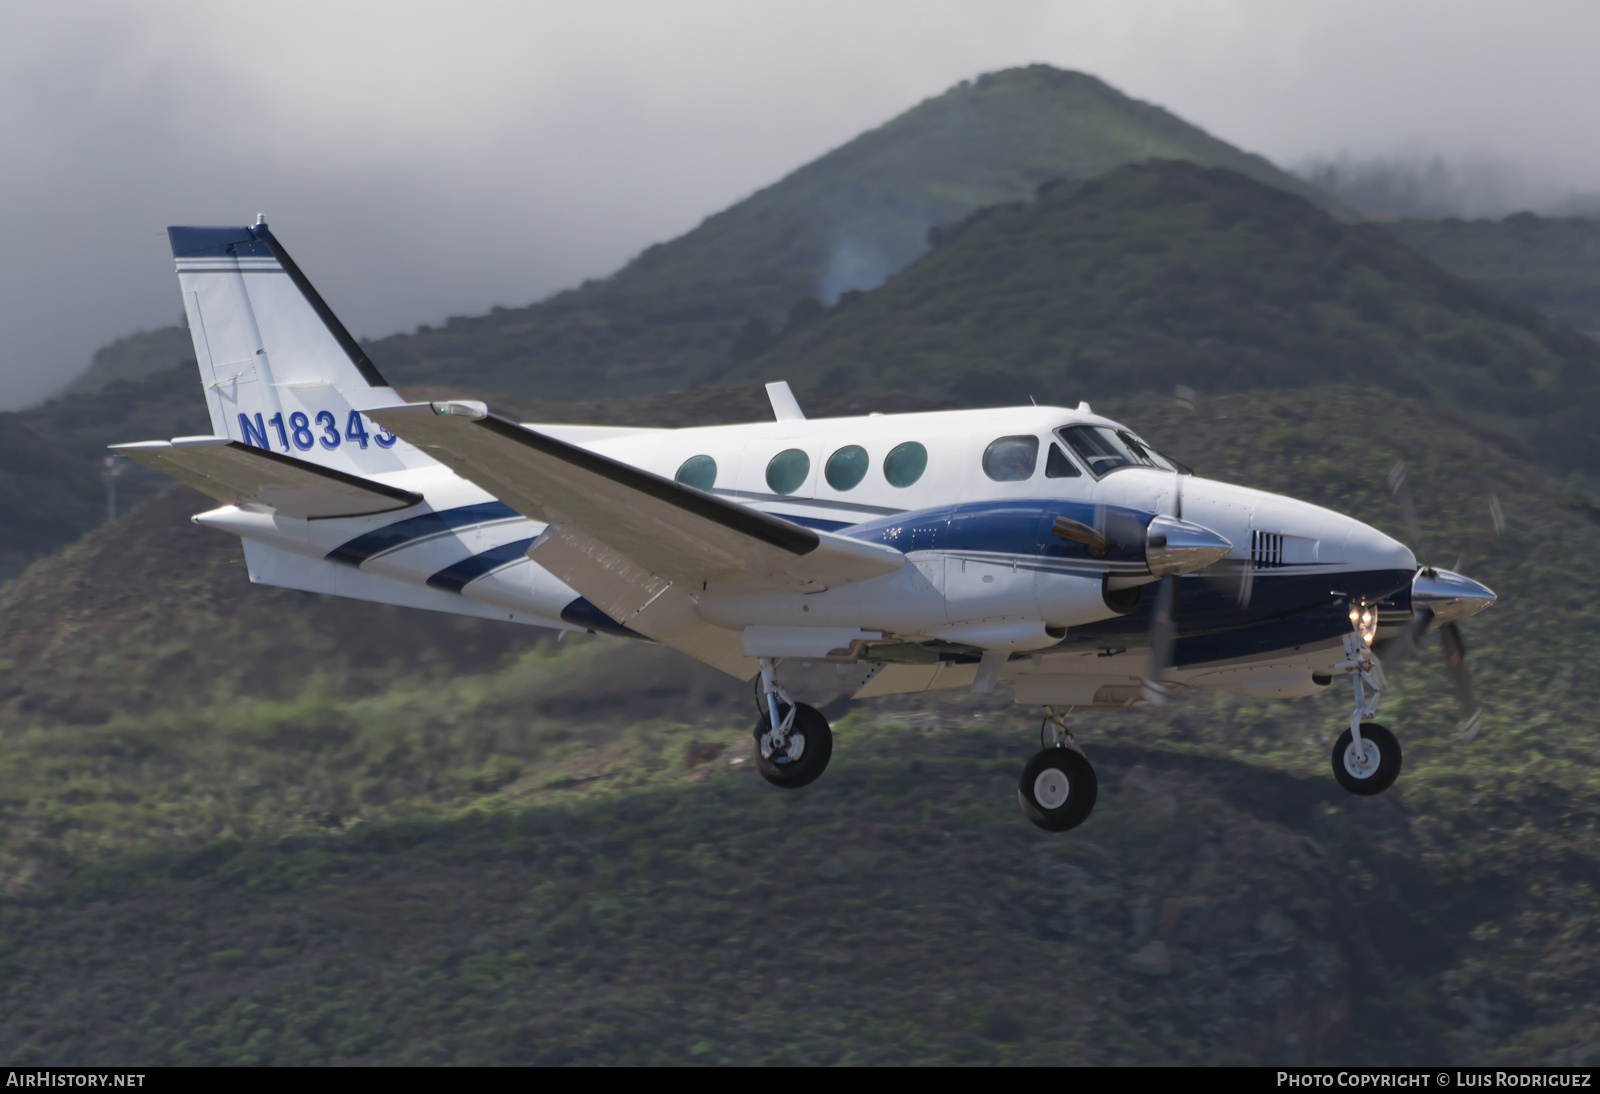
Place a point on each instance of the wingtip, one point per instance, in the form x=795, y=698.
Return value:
x=462, y=408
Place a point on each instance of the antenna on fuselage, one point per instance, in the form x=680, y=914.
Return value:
x=785, y=408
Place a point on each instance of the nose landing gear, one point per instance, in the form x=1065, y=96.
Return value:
x=793, y=741
x=1366, y=757
x=1058, y=787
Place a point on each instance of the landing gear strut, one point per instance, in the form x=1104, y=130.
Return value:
x=793, y=741
x=1058, y=787
x=1366, y=757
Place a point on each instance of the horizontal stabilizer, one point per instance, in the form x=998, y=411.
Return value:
x=637, y=529
x=254, y=478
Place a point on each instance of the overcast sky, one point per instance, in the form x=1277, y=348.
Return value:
x=428, y=159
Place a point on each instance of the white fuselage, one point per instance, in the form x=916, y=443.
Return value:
x=466, y=552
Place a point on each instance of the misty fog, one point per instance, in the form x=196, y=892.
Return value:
x=1416, y=184
x=423, y=160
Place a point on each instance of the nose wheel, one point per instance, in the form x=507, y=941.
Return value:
x=1368, y=766
x=1366, y=757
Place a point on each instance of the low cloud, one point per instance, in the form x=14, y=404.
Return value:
x=422, y=160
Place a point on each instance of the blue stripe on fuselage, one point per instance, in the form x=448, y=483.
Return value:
x=1020, y=528
x=457, y=576
x=819, y=523
x=401, y=532
x=1259, y=639
x=581, y=613
x=1286, y=610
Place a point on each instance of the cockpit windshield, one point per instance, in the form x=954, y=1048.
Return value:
x=1105, y=449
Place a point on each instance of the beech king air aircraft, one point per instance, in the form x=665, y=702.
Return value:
x=1047, y=548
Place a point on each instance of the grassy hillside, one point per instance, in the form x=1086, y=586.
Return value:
x=48, y=496
x=844, y=221
x=1549, y=263
x=134, y=358
x=246, y=825
x=50, y=486
x=139, y=387
x=1165, y=273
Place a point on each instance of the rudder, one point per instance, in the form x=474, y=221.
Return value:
x=279, y=369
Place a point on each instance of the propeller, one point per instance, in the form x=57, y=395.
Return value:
x=1400, y=489
x=1448, y=590
x=1164, y=620
x=1486, y=533
x=1455, y=663
x=1172, y=547
x=1247, y=580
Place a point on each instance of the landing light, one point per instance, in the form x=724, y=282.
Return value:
x=1365, y=620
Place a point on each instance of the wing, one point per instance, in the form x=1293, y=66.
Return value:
x=253, y=478
x=622, y=536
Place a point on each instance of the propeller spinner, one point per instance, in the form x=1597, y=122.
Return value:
x=1444, y=598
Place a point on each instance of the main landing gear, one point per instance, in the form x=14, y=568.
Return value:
x=1058, y=787
x=793, y=741
x=1366, y=757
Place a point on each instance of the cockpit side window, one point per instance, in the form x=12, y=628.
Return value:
x=1105, y=449
x=1011, y=459
x=1057, y=465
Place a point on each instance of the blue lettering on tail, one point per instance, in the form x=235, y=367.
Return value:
x=254, y=434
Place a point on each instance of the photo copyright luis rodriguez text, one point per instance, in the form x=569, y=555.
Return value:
x=1579, y=1078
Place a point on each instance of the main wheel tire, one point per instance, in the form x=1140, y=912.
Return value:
x=806, y=758
x=1371, y=770
x=1057, y=789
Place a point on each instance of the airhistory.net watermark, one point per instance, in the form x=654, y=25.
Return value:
x=46, y=1077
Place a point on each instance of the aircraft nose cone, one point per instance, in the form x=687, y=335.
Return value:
x=1366, y=548
x=1173, y=546
x=1449, y=595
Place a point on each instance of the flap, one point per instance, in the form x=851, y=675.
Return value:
x=253, y=478
x=636, y=525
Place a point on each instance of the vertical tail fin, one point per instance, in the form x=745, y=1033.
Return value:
x=280, y=371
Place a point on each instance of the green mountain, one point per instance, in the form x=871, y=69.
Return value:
x=243, y=825
x=1165, y=274
x=135, y=357
x=1549, y=263
x=670, y=318
x=843, y=222
x=48, y=496
x=140, y=387
x=51, y=491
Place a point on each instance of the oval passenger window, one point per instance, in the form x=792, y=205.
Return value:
x=847, y=467
x=788, y=471
x=699, y=472
x=905, y=464
x=1011, y=459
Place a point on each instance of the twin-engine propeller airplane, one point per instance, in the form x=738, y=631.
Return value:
x=1045, y=547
